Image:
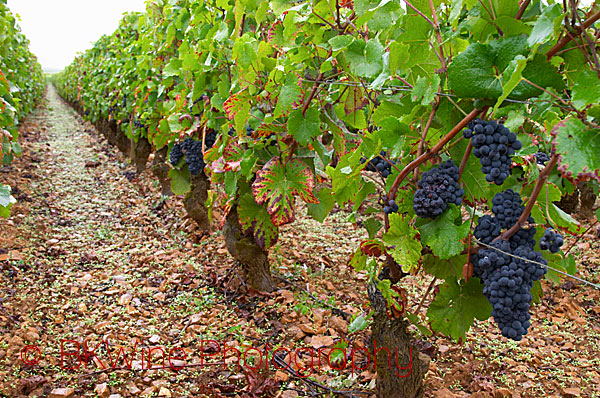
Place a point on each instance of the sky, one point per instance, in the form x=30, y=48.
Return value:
x=59, y=29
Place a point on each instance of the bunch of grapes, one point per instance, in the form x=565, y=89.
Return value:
x=551, y=241
x=438, y=187
x=379, y=164
x=541, y=158
x=494, y=145
x=389, y=205
x=508, y=269
x=192, y=150
x=176, y=154
x=507, y=206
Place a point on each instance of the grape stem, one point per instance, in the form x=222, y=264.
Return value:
x=531, y=202
x=434, y=150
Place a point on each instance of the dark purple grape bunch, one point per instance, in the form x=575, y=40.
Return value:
x=192, y=150
x=551, y=241
x=494, y=145
x=541, y=158
x=507, y=206
x=379, y=164
x=389, y=205
x=437, y=188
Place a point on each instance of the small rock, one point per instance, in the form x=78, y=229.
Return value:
x=61, y=393
x=125, y=299
x=160, y=296
x=164, y=392
x=289, y=394
x=571, y=392
x=154, y=339
x=443, y=349
x=102, y=390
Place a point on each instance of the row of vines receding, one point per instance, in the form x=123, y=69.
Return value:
x=21, y=88
x=466, y=120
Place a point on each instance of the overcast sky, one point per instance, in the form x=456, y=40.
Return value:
x=59, y=29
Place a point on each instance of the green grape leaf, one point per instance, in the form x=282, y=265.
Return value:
x=372, y=225
x=365, y=59
x=546, y=25
x=579, y=146
x=278, y=184
x=359, y=323
x=358, y=260
x=586, y=90
x=456, y=306
x=6, y=199
x=255, y=219
x=406, y=248
x=414, y=319
x=304, y=127
x=319, y=211
x=449, y=269
x=442, y=235
x=180, y=181
x=290, y=93
x=478, y=72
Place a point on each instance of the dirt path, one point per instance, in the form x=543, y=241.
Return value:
x=99, y=261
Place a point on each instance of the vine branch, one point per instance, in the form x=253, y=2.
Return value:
x=434, y=150
x=522, y=9
x=566, y=39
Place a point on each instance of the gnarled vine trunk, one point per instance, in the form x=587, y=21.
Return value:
x=123, y=143
x=587, y=198
x=569, y=203
x=139, y=153
x=160, y=169
x=254, y=260
x=195, y=200
x=402, y=376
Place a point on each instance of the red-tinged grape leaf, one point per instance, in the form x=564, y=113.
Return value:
x=290, y=92
x=230, y=160
x=278, y=184
x=266, y=129
x=579, y=149
x=355, y=99
x=456, y=306
x=255, y=219
x=402, y=237
x=372, y=247
x=237, y=108
x=4, y=86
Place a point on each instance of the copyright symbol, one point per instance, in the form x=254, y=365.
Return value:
x=25, y=355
